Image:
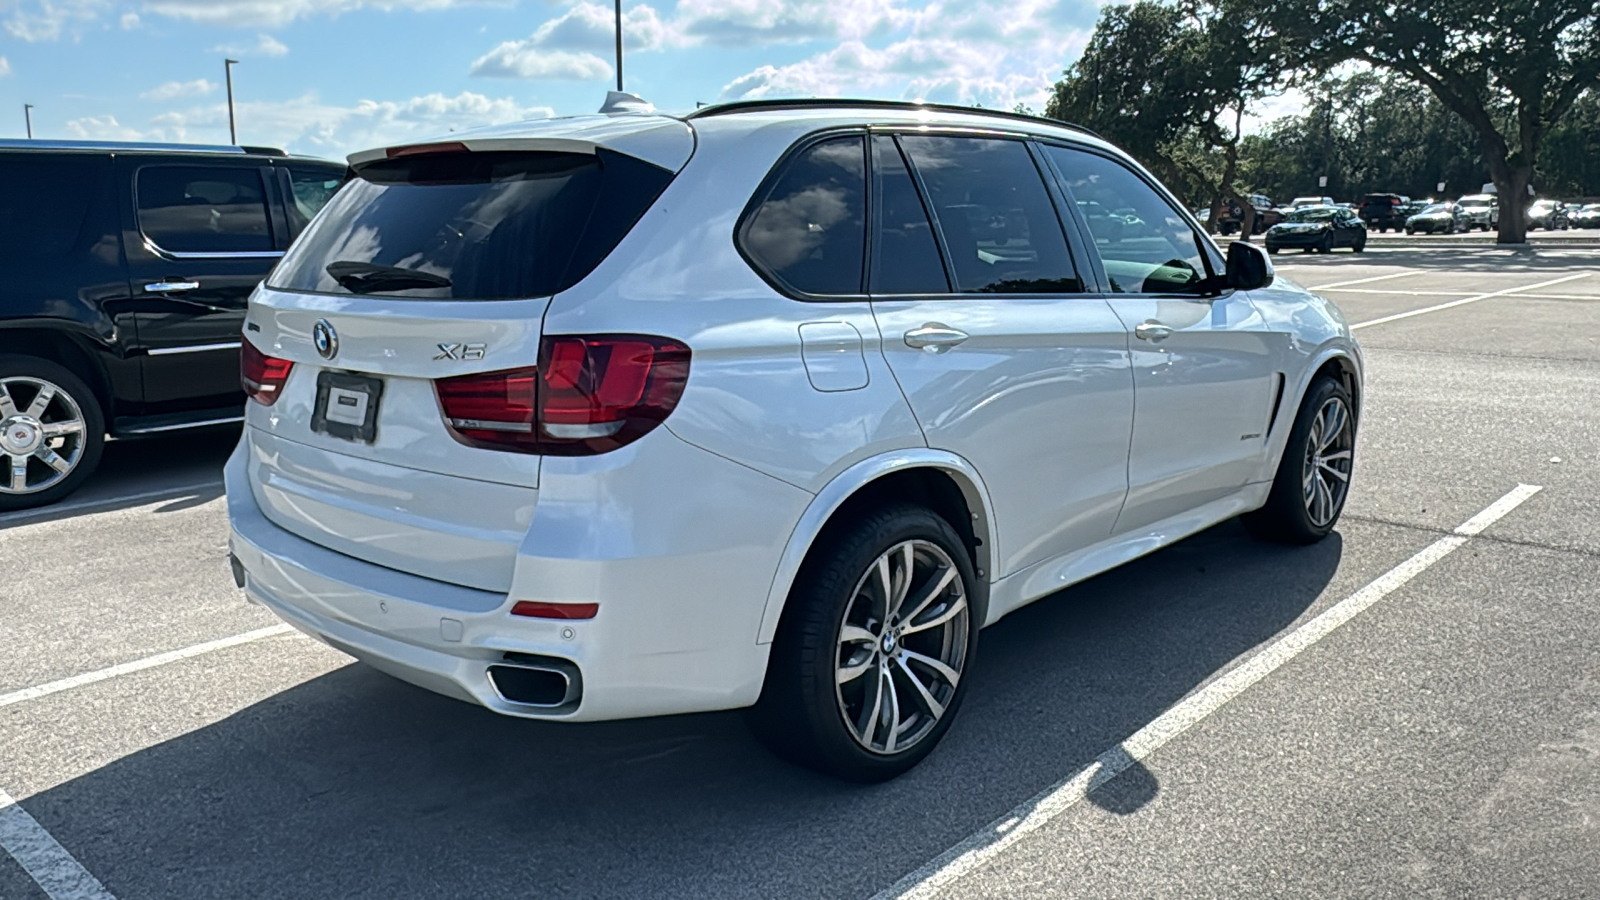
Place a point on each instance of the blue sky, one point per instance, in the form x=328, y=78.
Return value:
x=333, y=76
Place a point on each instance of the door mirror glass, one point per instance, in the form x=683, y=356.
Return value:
x=1248, y=267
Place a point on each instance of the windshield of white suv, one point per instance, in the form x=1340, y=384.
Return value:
x=471, y=226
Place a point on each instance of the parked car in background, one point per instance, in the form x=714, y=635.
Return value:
x=1479, y=211
x=1551, y=215
x=1383, y=211
x=1437, y=218
x=1319, y=228
x=1301, y=202
x=513, y=451
x=1231, y=218
x=127, y=271
x=1587, y=216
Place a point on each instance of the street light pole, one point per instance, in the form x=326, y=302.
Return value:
x=227, y=68
x=619, y=46
x=27, y=117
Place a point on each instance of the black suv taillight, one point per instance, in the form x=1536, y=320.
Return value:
x=588, y=394
x=261, y=375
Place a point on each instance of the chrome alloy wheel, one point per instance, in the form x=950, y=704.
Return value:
x=902, y=646
x=41, y=434
x=1326, y=477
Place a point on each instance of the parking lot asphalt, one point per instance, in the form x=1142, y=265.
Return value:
x=1441, y=738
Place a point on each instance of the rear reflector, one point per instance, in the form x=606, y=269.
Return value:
x=261, y=375
x=535, y=609
x=588, y=395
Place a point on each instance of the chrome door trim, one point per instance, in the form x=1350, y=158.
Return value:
x=158, y=429
x=198, y=348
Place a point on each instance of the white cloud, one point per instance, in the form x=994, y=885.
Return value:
x=305, y=124
x=265, y=45
x=102, y=128
x=745, y=22
x=51, y=18
x=129, y=21
x=174, y=89
x=275, y=13
x=515, y=59
x=5, y=67
x=984, y=52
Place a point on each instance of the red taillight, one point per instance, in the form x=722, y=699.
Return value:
x=262, y=375
x=589, y=394
x=535, y=609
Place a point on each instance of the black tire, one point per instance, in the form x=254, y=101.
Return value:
x=1359, y=245
x=800, y=714
x=1272, y=250
x=1286, y=518
x=92, y=435
x=1411, y=231
x=1327, y=244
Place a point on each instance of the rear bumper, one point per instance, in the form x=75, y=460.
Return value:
x=679, y=616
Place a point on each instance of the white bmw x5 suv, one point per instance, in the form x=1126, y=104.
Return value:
x=773, y=405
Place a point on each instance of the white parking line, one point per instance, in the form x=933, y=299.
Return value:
x=1472, y=299
x=1335, y=284
x=105, y=503
x=1458, y=294
x=1033, y=814
x=43, y=858
x=139, y=665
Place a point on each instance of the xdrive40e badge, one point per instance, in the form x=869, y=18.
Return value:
x=325, y=339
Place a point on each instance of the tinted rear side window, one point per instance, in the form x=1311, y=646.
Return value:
x=43, y=204
x=204, y=209
x=472, y=226
x=809, y=231
x=905, y=258
x=310, y=189
x=999, y=224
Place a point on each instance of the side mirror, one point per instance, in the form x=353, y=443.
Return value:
x=1248, y=267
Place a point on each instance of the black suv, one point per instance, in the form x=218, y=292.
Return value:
x=1384, y=211
x=127, y=271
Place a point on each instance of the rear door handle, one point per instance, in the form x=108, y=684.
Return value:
x=934, y=337
x=1152, y=331
x=171, y=287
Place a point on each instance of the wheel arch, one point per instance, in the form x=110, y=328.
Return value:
x=943, y=481
x=78, y=354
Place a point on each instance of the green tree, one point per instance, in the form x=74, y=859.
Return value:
x=1171, y=84
x=1511, y=69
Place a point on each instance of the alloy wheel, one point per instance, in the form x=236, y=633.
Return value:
x=42, y=434
x=902, y=647
x=1325, y=480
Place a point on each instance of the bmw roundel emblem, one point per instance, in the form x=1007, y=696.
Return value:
x=325, y=339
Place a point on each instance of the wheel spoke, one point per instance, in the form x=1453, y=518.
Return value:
x=41, y=401
x=949, y=613
x=855, y=634
x=60, y=429
x=853, y=671
x=867, y=725
x=886, y=586
x=951, y=676
x=934, y=707
x=53, y=459
x=935, y=587
x=894, y=710
x=19, y=473
x=1335, y=427
x=8, y=407
x=1323, y=466
x=902, y=586
x=1331, y=457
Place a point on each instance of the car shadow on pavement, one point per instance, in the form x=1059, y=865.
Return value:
x=356, y=785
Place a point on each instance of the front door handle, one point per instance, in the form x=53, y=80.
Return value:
x=934, y=337
x=1152, y=331
x=171, y=287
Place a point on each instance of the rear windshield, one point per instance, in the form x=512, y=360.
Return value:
x=472, y=226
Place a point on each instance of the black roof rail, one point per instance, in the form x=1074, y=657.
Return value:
x=740, y=106
x=263, y=151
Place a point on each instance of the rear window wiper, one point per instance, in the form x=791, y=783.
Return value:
x=367, y=278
